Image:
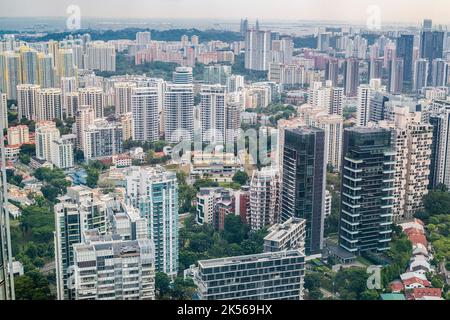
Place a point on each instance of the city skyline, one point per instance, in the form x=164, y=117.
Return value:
x=350, y=10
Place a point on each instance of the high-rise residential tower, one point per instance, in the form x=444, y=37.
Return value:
x=303, y=182
x=366, y=190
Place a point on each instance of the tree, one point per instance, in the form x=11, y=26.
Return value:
x=234, y=230
x=312, y=281
x=183, y=289
x=370, y=295
x=437, y=202
x=32, y=286
x=315, y=294
x=92, y=177
x=351, y=283
x=162, y=284
x=241, y=177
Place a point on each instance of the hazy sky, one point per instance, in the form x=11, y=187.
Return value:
x=345, y=10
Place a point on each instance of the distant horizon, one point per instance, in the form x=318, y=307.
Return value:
x=354, y=11
x=230, y=20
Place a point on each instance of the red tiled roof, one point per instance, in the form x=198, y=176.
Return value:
x=413, y=231
x=424, y=292
x=396, y=286
x=418, y=238
x=413, y=280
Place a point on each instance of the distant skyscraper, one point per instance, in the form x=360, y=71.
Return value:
x=431, y=47
x=183, y=75
x=363, y=107
x=100, y=56
x=367, y=190
x=377, y=106
x=351, y=77
x=303, y=182
x=244, y=26
x=65, y=63
x=405, y=48
x=332, y=71
x=376, y=68
x=13, y=74
x=29, y=65
x=143, y=37
x=154, y=192
x=396, y=76
x=439, y=73
x=421, y=74
x=427, y=24
x=46, y=71
x=257, y=50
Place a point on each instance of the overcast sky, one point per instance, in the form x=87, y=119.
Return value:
x=345, y=10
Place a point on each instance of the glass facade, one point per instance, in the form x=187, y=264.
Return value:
x=367, y=190
x=303, y=182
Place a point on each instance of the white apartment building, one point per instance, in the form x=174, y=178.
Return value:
x=264, y=198
x=84, y=117
x=94, y=97
x=46, y=133
x=122, y=96
x=144, y=107
x=363, y=106
x=332, y=124
x=26, y=101
x=61, y=153
x=100, y=56
x=286, y=236
x=102, y=139
x=154, y=192
x=105, y=268
x=412, y=140
x=18, y=135
x=48, y=104
x=179, y=112
x=212, y=110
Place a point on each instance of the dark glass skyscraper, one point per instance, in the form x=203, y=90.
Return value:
x=366, y=190
x=405, y=47
x=431, y=47
x=303, y=184
x=351, y=77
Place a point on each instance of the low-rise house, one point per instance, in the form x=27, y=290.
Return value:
x=425, y=294
x=412, y=280
x=420, y=264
